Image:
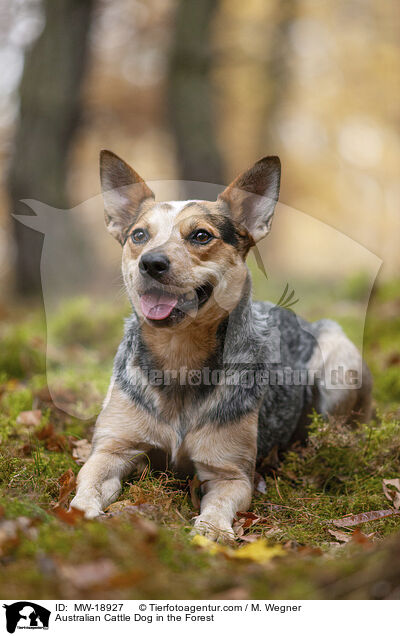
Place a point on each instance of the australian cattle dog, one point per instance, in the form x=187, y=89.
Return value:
x=203, y=374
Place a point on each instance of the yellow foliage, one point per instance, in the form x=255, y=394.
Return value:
x=258, y=551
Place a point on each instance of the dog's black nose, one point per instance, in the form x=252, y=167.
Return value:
x=154, y=263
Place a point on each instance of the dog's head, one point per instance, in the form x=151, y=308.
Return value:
x=185, y=260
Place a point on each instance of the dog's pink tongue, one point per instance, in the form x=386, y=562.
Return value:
x=157, y=306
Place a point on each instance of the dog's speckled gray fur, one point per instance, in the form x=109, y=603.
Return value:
x=257, y=336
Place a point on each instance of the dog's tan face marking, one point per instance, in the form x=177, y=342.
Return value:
x=183, y=262
x=169, y=228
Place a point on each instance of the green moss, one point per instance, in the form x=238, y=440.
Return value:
x=21, y=353
x=339, y=472
x=77, y=322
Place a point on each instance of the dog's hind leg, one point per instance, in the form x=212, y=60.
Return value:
x=342, y=380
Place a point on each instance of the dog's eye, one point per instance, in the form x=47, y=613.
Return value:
x=139, y=235
x=201, y=236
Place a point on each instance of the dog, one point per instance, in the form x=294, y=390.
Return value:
x=204, y=375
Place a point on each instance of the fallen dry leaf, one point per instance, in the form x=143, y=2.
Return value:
x=81, y=449
x=238, y=530
x=363, y=517
x=67, y=483
x=30, y=418
x=258, y=551
x=357, y=536
x=248, y=519
x=391, y=489
x=53, y=441
x=71, y=516
x=343, y=537
x=57, y=443
x=45, y=432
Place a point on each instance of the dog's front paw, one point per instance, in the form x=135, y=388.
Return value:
x=91, y=507
x=214, y=527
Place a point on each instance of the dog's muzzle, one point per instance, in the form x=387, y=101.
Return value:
x=164, y=307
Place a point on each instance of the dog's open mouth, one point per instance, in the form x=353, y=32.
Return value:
x=159, y=305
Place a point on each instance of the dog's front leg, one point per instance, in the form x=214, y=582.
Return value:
x=224, y=459
x=120, y=438
x=99, y=481
x=224, y=496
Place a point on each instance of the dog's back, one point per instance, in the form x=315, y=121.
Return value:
x=314, y=367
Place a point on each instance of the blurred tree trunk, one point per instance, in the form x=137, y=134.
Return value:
x=278, y=71
x=190, y=92
x=49, y=114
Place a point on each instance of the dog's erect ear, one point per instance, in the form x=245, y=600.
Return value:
x=123, y=192
x=252, y=196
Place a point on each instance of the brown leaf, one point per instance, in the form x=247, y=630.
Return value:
x=248, y=519
x=45, y=432
x=343, y=537
x=54, y=441
x=67, y=483
x=391, y=489
x=57, y=443
x=194, y=485
x=363, y=517
x=81, y=449
x=238, y=530
x=357, y=536
x=71, y=516
x=30, y=418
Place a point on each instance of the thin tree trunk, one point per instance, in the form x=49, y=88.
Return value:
x=278, y=71
x=190, y=93
x=49, y=114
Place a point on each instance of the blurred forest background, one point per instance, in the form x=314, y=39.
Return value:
x=196, y=90
x=199, y=91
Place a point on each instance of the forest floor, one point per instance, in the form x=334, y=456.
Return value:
x=294, y=543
